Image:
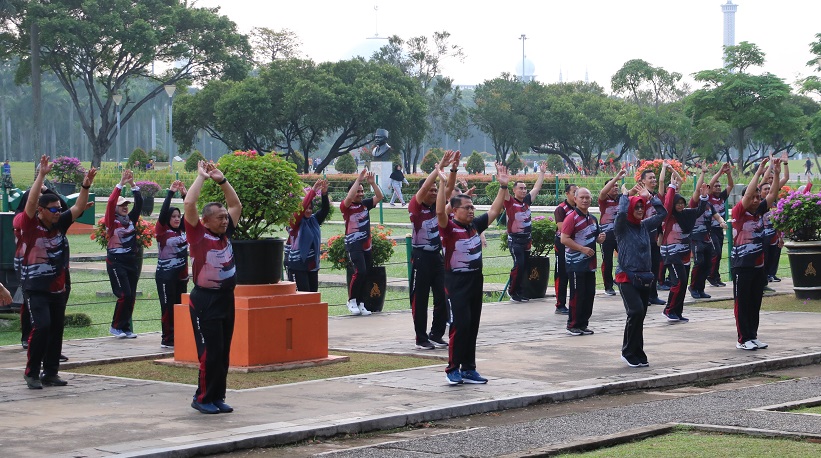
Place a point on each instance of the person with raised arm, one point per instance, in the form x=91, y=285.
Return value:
x=172, y=262
x=747, y=257
x=608, y=205
x=701, y=243
x=305, y=238
x=519, y=240
x=356, y=214
x=44, y=274
x=633, y=273
x=775, y=242
x=462, y=248
x=214, y=274
x=124, y=254
x=428, y=265
x=718, y=197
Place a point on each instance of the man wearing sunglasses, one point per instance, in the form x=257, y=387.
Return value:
x=462, y=247
x=44, y=274
x=519, y=239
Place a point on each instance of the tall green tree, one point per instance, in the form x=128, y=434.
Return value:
x=500, y=113
x=97, y=47
x=744, y=101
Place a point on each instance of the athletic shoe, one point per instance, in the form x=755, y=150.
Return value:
x=130, y=335
x=426, y=345
x=63, y=358
x=116, y=333
x=437, y=341
x=704, y=295
x=362, y=310
x=644, y=364
x=610, y=292
x=171, y=346
x=223, y=407
x=587, y=331
x=717, y=283
x=775, y=279
x=473, y=377
x=759, y=344
x=631, y=361
x=518, y=298
x=695, y=294
x=207, y=407
x=24, y=344
x=33, y=383
x=562, y=310
x=353, y=307
x=672, y=318
x=52, y=380
x=681, y=319
x=392, y=205
x=768, y=289
x=657, y=301
x=748, y=345
x=454, y=377
x=663, y=287
x=575, y=331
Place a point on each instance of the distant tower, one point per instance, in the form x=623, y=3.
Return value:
x=729, y=10
x=586, y=79
x=560, y=75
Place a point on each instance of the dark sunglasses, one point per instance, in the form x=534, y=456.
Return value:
x=53, y=209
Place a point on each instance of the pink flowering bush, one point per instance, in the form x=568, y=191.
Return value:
x=798, y=216
x=67, y=170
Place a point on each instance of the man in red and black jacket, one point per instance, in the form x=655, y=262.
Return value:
x=608, y=207
x=519, y=239
x=560, y=273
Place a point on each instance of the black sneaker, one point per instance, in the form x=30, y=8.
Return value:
x=437, y=341
x=426, y=345
x=695, y=294
x=610, y=292
x=767, y=289
x=657, y=301
x=33, y=383
x=704, y=295
x=52, y=380
x=63, y=358
x=631, y=361
x=716, y=283
x=663, y=287
x=575, y=331
x=518, y=298
x=775, y=279
x=562, y=310
x=24, y=344
x=587, y=331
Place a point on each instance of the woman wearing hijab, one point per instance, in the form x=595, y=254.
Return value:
x=675, y=242
x=634, y=275
x=397, y=179
x=305, y=239
x=172, y=262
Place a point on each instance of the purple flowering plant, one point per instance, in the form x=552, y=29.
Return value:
x=67, y=170
x=798, y=216
x=148, y=188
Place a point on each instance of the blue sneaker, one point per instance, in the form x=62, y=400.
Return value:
x=672, y=318
x=223, y=407
x=681, y=319
x=473, y=377
x=116, y=333
x=454, y=377
x=207, y=407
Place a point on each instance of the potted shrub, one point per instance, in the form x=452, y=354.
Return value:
x=149, y=190
x=542, y=233
x=67, y=172
x=381, y=250
x=798, y=216
x=270, y=191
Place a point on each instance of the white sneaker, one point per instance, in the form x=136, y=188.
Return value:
x=748, y=345
x=363, y=311
x=354, y=309
x=759, y=344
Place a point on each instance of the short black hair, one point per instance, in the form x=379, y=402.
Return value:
x=46, y=199
x=645, y=172
x=350, y=185
x=456, y=201
x=568, y=187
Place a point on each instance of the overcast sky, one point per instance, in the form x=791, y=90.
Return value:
x=571, y=35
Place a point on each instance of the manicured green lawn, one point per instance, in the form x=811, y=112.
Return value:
x=693, y=444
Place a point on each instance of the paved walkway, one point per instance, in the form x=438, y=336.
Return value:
x=522, y=349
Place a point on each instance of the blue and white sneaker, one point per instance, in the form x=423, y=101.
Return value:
x=116, y=333
x=130, y=335
x=672, y=318
x=473, y=377
x=454, y=377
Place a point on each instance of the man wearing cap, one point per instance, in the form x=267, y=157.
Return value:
x=44, y=274
x=124, y=254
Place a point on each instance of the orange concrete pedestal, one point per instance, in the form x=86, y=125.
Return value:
x=274, y=324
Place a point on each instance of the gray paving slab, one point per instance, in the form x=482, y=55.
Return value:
x=522, y=349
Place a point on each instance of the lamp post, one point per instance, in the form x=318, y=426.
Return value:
x=169, y=89
x=459, y=143
x=211, y=149
x=117, y=97
x=523, y=38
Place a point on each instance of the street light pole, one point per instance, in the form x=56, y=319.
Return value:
x=169, y=89
x=117, y=99
x=523, y=38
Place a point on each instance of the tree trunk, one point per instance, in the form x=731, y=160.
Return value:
x=36, y=92
x=740, y=146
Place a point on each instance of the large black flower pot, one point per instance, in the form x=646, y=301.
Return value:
x=805, y=265
x=65, y=189
x=148, y=206
x=537, y=277
x=377, y=282
x=258, y=262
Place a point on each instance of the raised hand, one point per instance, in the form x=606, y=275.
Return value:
x=202, y=170
x=88, y=180
x=456, y=157
x=371, y=177
x=543, y=167
x=621, y=174
x=318, y=185
x=763, y=166
x=325, y=187
x=175, y=186
x=502, y=174
x=643, y=192
x=705, y=189
x=216, y=174
x=362, y=173
x=45, y=165
x=447, y=158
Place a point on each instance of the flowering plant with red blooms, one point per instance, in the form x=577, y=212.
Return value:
x=655, y=165
x=145, y=233
x=381, y=248
x=782, y=193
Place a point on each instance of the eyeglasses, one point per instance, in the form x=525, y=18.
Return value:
x=53, y=209
x=467, y=207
